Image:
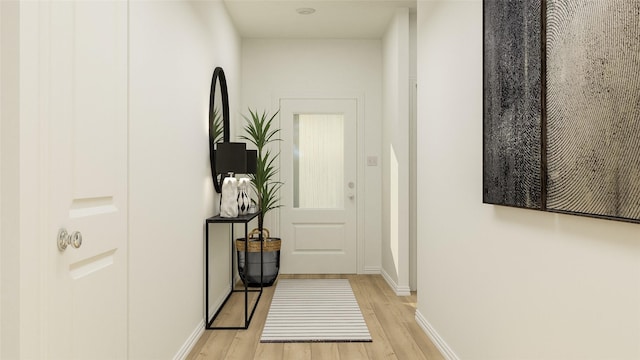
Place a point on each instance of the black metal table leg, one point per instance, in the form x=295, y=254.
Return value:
x=246, y=270
x=247, y=317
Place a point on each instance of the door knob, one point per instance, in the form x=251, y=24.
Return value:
x=64, y=239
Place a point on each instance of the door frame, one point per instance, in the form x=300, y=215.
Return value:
x=24, y=177
x=360, y=158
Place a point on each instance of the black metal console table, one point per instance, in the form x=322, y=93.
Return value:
x=242, y=219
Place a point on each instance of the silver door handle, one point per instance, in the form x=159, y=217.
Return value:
x=64, y=239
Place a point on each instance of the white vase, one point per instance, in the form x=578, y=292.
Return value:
x=229, y=199
x=243, y=196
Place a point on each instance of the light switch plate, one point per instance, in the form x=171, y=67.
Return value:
x=372, y=161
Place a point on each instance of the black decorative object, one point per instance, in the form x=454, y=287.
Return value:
x=562, y=106
x=231, y=157
x=252, y=161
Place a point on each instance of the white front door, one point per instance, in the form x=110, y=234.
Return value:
x=83, y=106
x=318, y=167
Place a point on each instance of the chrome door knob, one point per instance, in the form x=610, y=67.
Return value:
x=64, y=239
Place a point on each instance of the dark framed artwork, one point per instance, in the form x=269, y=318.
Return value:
x=583, y=158
x=512, y=103
x=593, y=103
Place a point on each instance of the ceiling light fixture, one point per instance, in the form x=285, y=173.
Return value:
x=305, y=11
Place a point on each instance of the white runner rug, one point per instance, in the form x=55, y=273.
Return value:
x=314, y=310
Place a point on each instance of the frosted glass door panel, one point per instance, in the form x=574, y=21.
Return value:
x=318, y=161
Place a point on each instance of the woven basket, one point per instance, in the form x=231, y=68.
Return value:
x=250, y=271
x=268, y=244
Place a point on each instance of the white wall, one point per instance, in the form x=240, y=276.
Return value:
x=303, y=67
x=497, y=282
x=174, y=47
x=9, y=181
x=395, y=153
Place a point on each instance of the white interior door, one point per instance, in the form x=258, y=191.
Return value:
x=83, y=63
x=318, y=167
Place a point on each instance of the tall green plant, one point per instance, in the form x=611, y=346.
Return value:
x=260, y=131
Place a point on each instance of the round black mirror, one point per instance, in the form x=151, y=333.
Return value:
x=218, y=119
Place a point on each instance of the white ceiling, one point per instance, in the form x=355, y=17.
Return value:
x=332, y=19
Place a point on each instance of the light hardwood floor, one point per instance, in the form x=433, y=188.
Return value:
x=390, y=319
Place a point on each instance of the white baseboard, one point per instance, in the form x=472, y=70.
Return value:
x=399, y=290
x=438, y=341
x=191, y=342
x=372, y=270
x=199, y=330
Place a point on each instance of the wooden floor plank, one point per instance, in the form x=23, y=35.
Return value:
x=380, y=347
x=321, y=351
x=297, y=351
x=245, y=342
x=401, y=341
x=390, y=319
x=269, y=351
x=216, y=347
x=352, y=351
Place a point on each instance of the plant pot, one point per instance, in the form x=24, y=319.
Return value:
x=271, y=259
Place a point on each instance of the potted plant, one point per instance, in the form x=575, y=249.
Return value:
x=261, y=132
